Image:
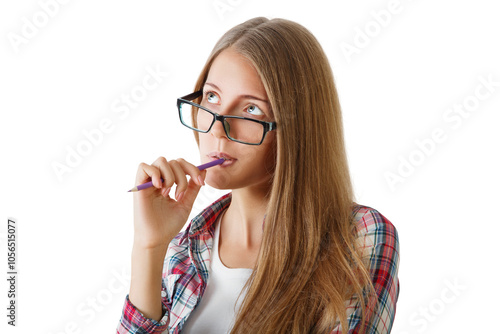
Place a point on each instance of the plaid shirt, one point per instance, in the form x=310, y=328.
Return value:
x=187, y=264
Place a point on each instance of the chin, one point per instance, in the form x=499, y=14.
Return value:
x=220, y=181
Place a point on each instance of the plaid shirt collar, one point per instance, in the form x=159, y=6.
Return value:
x=204, y=222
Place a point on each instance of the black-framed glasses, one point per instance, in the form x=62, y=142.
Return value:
x=239, y=129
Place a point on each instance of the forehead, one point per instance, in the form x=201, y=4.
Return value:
x=234, y=74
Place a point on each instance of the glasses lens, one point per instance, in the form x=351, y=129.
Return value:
x=244, y=130
x=195, y=118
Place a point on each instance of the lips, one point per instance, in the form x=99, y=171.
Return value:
x=217, y=155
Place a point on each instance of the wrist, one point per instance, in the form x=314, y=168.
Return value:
x=145, y=244
x=149, y=249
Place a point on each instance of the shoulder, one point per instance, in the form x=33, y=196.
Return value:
x=374, y=229
x=378, y=240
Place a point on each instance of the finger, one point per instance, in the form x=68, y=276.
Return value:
x=192, y=171
x=190, y=194
x=146, y=172
x=166, y=172
x=180, y=178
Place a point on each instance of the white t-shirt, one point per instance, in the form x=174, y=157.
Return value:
x=215, y=312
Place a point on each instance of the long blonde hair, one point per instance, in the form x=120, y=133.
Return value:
x=308, y=265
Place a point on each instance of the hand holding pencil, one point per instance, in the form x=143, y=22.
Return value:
x=200, y=167
x=158, y=218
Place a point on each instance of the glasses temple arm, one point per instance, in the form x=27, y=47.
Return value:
x=192, y=95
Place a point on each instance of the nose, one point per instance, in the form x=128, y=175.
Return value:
x=218, y=128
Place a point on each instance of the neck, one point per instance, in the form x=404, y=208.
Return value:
x=245, y=215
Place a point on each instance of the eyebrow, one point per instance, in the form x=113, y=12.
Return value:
x=244, y=95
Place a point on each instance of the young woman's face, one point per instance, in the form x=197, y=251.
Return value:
x=233, y=87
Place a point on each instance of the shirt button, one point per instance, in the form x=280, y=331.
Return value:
x=163, y=294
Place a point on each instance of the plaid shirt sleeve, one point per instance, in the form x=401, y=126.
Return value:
x=380, y=245
x=133, y=321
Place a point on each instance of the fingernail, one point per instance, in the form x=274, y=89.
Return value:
x=167, y=191
x=178, y=198
x=200, y=180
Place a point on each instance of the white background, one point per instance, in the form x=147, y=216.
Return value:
x=75, y=232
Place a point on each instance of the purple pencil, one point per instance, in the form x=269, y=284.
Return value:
x=200, y=167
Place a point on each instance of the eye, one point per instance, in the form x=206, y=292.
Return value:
x=254, y=110
x=212, y=98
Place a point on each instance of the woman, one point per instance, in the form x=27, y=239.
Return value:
x=287, y=250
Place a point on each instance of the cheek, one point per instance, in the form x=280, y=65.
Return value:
x=262, y=160
x=204, y=140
